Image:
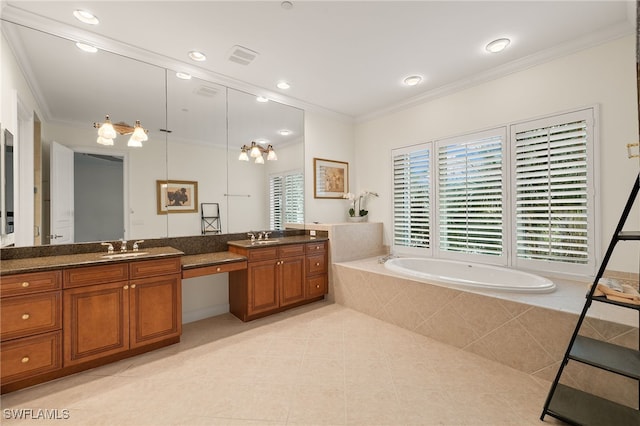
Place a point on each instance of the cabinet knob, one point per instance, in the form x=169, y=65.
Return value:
x=218, y=269
x=126, y=287
x=317, y=285
x=25, y=359
x=25, y=284
x=317, y=247
x=133, y=286
x=25, y=316
x=317, y=263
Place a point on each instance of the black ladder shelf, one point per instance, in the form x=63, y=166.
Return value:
x=581, y=408
x=210, y=218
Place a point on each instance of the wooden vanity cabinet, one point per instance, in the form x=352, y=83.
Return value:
x=31, y=332
x=115, y=308
x=275, y=279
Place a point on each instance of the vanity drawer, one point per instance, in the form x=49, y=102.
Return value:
x=33, y=282
x=291, y=250
x=30, y=356
x=316, y=264
x=256, y=255
x=90, y=275
x=316, y=286
x=318, y=247
x=26, y=315
x=153, y=268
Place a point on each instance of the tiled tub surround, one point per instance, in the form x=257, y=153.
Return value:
x=528, y=332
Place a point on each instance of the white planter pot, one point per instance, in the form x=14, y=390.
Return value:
x=357, y=218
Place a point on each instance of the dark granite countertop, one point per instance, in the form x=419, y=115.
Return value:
x=210, y=259
x=44, y=263
x=277, y=241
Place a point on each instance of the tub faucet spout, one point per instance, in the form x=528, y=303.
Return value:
x=385, y=258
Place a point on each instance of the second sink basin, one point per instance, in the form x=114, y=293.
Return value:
x=124, y=255
x=266, y=241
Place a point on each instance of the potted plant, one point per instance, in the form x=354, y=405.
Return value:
x=357, y=209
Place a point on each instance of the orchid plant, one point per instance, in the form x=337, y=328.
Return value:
x=358, y=202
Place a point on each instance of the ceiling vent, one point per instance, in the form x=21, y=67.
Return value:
x=206, y=91
x=242, y=55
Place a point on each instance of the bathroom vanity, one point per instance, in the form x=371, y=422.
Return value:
x=64, y=313
x=279, y=275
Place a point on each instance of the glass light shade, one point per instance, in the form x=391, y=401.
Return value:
x=104, y=141
x=255, y=152
x=271, y=155
x=106, y=130
x=243, y=156
x=259, y=160
x=133, y=143
x=139, y=133
x=498, y=45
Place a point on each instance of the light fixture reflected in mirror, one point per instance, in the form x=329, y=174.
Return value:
x=108, y=131
x=256, y=151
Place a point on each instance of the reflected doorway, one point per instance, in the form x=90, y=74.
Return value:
x=98, y=197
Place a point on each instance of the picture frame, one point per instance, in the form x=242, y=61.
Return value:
x=330, y=178
x=177, y=196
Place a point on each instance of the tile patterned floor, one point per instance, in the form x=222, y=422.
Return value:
x=322, y=364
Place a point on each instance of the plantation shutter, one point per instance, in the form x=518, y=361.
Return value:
x=286, y=200
x=411, y=196
x=551, y=192
x=470, y=195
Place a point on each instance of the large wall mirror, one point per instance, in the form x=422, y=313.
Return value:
x=196, y=128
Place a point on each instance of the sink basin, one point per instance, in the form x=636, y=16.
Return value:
x=124, y=255
x=266, y=241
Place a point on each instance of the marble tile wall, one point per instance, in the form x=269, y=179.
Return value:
x=529, y=338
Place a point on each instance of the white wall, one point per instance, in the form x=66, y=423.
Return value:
x=603, y=75
x=331, y=138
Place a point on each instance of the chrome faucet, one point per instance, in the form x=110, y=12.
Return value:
x=266, y=235
x=252, y=236
x=136, y=246
x=123, y=246
x=109, y=247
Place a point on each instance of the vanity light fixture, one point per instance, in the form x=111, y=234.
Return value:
x=86, y=47
x=183, y=76
x=498, y=45
x=197, y=56
x=86, y=17
x=108, y=131
x=262, y=99
x=256, y=151
x=283, y=85
x=412, y=80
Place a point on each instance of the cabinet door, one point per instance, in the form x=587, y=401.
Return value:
x=95, y=321
x=155, y=309
x=262, y=292
x=291, y=280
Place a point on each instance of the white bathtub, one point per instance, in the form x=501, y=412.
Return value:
x=473, y=275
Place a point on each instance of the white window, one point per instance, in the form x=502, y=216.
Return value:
x=471, y=196
x=286, y=199
x=553, y=192
x=412, y=198
x=524, y=198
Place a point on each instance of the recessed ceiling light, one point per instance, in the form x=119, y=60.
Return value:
x=286, y=5
x=183, y=75
x=262, y=99
x=86, y=17
x=498, y=45
x=262, y=141
x=197, y=56
x=284, y=132
x=86, y=47
x=283, y=85
x=412, y=80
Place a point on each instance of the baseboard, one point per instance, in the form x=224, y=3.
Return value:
x=209, y=311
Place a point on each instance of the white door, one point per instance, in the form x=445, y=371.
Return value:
x=61, y=194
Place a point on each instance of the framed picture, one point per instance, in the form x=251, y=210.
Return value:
x=330, y=178
x=177, y=196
